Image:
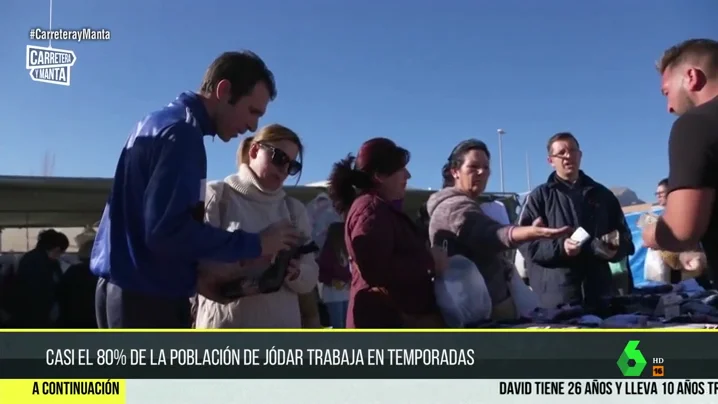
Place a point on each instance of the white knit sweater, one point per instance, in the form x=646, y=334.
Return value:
x=252, y=209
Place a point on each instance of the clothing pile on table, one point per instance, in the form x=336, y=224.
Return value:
x=685, y=305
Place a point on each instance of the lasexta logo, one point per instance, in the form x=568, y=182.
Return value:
x=631, y=362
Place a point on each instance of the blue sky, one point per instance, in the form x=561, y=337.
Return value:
x=424, y=73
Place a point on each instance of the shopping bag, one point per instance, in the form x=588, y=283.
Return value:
x=525, y=300
x=461, y=294
x=655, y=269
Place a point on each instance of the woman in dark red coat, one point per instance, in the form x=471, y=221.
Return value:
x=392, y=265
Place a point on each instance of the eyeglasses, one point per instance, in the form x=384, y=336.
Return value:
x=280, y=159
x=565, y=153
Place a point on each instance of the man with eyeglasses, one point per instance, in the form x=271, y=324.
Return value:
x=574, y=269
x=661, y=191
x=689, y=263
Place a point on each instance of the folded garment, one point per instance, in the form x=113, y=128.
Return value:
x=653, y=289
x=557, y=315
x=547, y=326
x=626, y=321
x=630, y=304
x=689, y=326
x=688, y=286
x=711, y=299
x=695, y=307
x=589, y=321
x=693, y=319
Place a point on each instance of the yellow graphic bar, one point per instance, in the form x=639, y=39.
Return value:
x=62, y=391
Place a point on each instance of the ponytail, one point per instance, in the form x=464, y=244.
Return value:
x=344, y=181
x=448, y=179
x=243, y=151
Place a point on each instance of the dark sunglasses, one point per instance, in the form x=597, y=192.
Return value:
x=280, y=159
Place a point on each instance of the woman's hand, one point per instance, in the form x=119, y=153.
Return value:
x=293, y=270
x=538, y=231
x=541, y=231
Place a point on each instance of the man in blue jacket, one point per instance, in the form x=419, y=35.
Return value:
x=152, y=232
x=561, y=270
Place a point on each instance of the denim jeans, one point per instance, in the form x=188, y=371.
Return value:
x=337, y=313
x=118, y=308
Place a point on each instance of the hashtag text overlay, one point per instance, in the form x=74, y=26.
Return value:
x=76, y=35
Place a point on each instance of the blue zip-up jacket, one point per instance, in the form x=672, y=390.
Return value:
x=152, y=232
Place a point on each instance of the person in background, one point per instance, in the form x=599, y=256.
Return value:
x=457, y=219
x=661, y=192
x=321, y=215
x=392, y=264
x=689, y=81
x=562, y=270
x=152, y=233
x=335, y=275
x=76, y=292
x=35, y=289
x=671, y=260
x=7, y=278
x=253, y=199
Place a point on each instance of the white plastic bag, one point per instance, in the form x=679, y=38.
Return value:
x=520, y=265
x=525, y=300
x=461, y=294
x=655, y=269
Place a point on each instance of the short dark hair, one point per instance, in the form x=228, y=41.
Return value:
x=243, y=69
x=376, y=156
x=456, y=158
x=50, y=239
x=561, y=136
x=704, y=49
x=663, y=182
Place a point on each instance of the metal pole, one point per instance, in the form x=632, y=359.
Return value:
x=528, y=172
x=501, y=133
x=50, y=27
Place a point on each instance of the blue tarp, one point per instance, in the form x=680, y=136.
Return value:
x=637, y=260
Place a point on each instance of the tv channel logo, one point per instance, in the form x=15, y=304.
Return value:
x=631, y=362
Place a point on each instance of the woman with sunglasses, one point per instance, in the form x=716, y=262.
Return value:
x=251, y=200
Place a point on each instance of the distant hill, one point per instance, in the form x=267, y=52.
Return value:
x=626, y=196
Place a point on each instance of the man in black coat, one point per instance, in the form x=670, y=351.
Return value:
x=562, y=270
